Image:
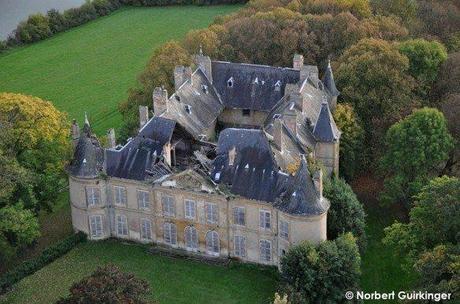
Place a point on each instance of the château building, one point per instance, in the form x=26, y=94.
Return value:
x=220, y=169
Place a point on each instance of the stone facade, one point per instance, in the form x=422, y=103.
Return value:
x=176, y=184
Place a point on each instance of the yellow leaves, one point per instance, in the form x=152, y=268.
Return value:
x=31, y=119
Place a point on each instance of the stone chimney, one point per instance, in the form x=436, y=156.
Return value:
x=181, y=75
x=75, y=130
x=231, y=156
x=160, y=100
x=111, y=138
x=297, y=62
x=204, y=62
x=278, y=132
x=318, y=181
x=290, y=120
x=143, y=115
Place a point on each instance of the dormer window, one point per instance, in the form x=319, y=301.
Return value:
x=256, y=81
x=276, y=116
x=278, y=86
x=204, y=88
x=188, y=109
x=230, y=82
x=177, y=97
x=246, y=112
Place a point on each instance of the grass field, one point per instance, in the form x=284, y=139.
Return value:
x=91, y=67
x=171, y=280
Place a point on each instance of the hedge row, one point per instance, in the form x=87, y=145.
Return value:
x=47, y=256
x=38, y=26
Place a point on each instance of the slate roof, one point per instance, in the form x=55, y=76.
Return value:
x=253, y=85
x=142, y=153
x=325, y=129
x=254, y=173
x=192, y=107
x=328, y=80
x=301, y=197
x=88, y=157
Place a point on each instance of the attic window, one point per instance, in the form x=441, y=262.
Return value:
x=217, y=176
x=177, y=97
x=256, y=81
x=230, y=82
x=246, y=112
x=188, y=109
x=278, y=86
x=276, y=116
x=204, y=88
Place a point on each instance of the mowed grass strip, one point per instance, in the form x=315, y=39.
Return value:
x=171, y=280
x=91, y=67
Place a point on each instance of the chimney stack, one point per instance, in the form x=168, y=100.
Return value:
x=318, y=181
x=111, y=138
x=160, y=100
x=181, y=75
x=143, y=115
x=297, y=62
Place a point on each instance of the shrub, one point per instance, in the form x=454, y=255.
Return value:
x=47, y=256
x=35, y=28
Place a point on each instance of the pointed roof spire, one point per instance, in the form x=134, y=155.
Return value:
x=301, y=197
x=201, y=50
x=328, y=80
x=87, y=126
x=325, y=129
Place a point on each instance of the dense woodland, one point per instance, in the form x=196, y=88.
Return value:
x=397, y=65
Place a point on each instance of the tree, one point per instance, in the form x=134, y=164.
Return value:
x=439, y=270
x=404, y=9
x=372, y=75
x=158, y=72
x=108, y=285
x=439, y=18
x=321, y=273
x=18, y=227
x=280, y=300
x=416, y=148
x=56, y=20
x=346, y=213
x=425, y=58
x=35, y=28
x=433, y=220
x=351, y=141
x=448, y=78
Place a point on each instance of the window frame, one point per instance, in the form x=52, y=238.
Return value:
x=170, y=234
x=186, y=210
x=263, y=250
x=284, y=230
x=239, y=246
x=263, y=223
x=120, y=196
x=123, y=223
x=212, y=245
x=146, y=203
x=213, y=213
x=95, y=196
x=142, y=232
x=92, y=232
x=170, y=210
x=191, y=232
x=237, y=214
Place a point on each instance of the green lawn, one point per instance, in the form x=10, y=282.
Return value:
x=91, y=67
x=171, y=280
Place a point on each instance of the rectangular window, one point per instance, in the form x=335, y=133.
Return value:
x=120, y=195
x=239, y=216
x=190, y=209
x=122, y=225
x=265, y=250
x=240, y=246
x=170, y=233
x=212, y=213
x=143, y=199
x=246, y=112
x=284, y=230
x=146, y=229
x=169, y=206
x=95, y=225
x=93, y=196
x=265, y=219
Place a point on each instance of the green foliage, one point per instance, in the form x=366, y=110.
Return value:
x=433, y=220
x=416, y=148
x=346, y=213
x=438, y=19
x=47, y=256
x=439, y=270
x=321, y=273
x=351, y=140
x=425, y=58
x=372, y=75
x=34, y=29
x=404, y=9
x=108, y=285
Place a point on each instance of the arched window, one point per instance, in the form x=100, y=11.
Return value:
x=212, y=243
x=191, y=238
x=170, y=233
